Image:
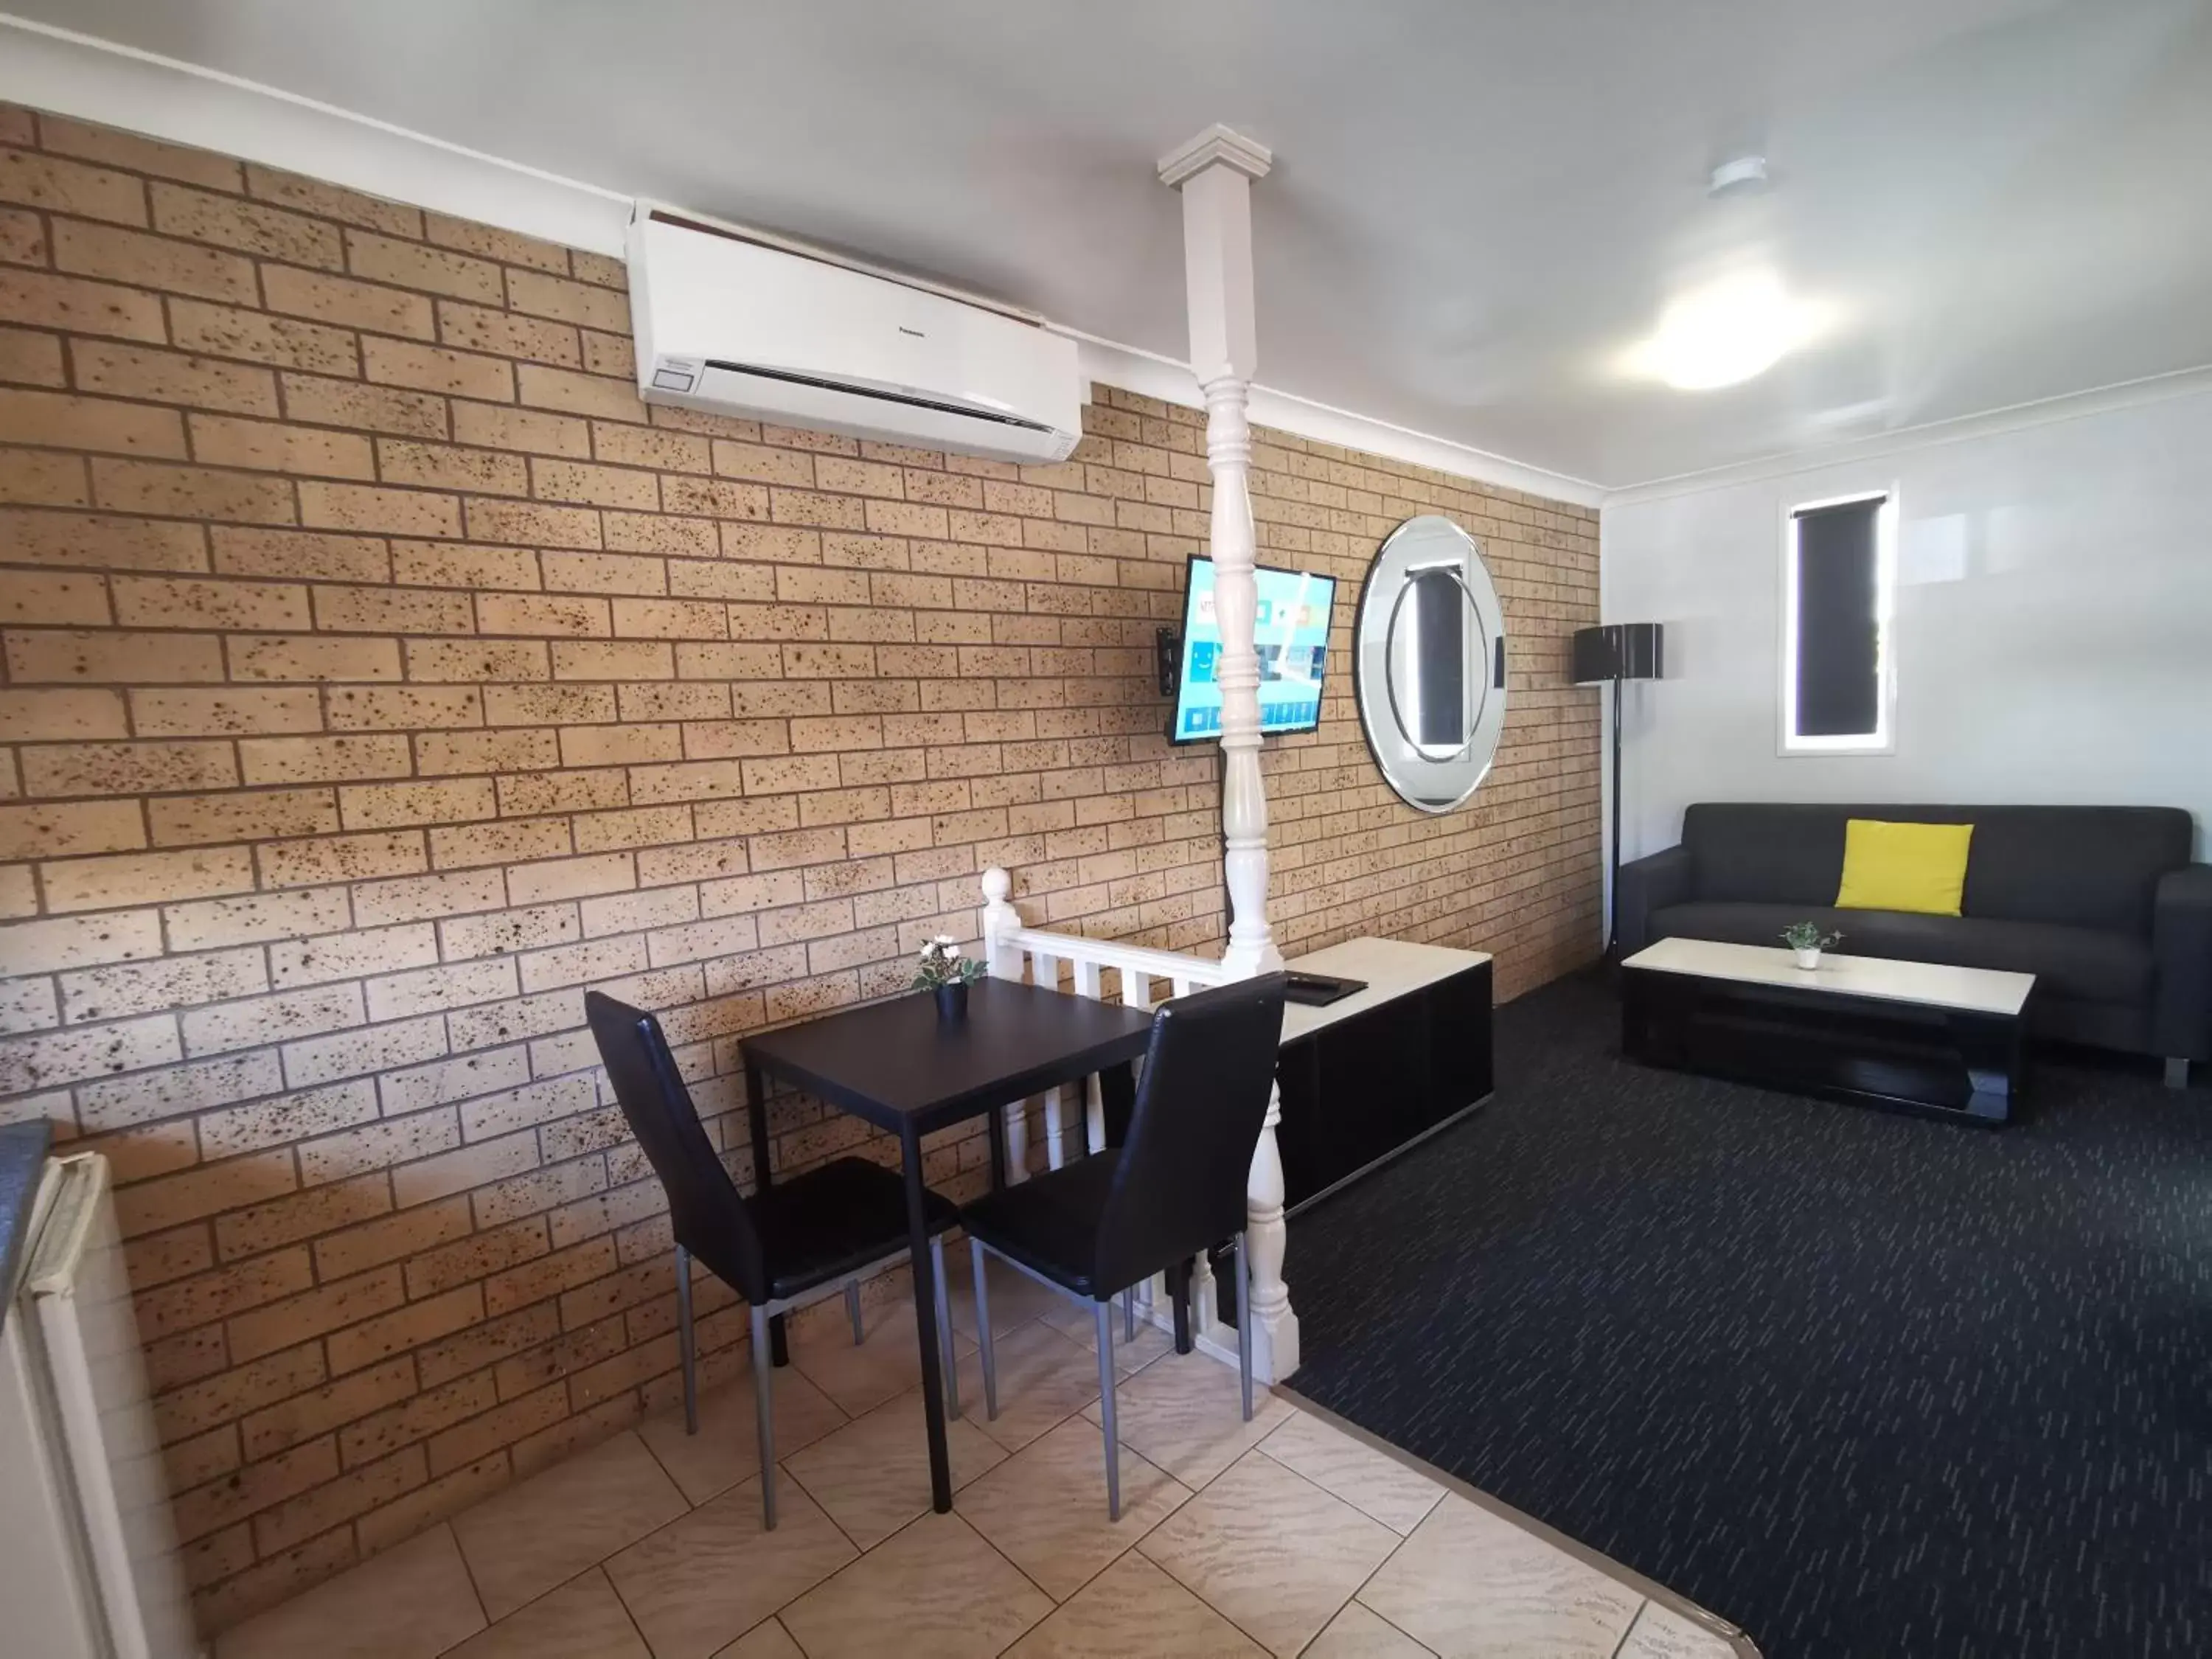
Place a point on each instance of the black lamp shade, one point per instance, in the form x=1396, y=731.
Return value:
x=1617, y=651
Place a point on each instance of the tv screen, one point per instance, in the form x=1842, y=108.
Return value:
x=1291, y=630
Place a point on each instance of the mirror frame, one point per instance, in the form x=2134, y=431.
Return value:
x=1419, y=543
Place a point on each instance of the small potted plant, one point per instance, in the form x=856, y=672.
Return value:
x=1806, y=938
x=943, y=969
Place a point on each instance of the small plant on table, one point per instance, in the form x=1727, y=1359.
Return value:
x=944, y=969
x=1806, y=938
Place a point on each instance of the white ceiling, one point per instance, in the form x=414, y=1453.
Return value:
x=1476, y=203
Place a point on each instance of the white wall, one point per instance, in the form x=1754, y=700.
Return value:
x=2053, y=624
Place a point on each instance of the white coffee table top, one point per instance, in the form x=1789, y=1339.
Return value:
x=1391, y=968
x=1973, y=990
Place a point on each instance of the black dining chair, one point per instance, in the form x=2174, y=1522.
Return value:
x=786, y=1245
x=1174, y=1187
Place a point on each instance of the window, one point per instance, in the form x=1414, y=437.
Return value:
x=1837, y=679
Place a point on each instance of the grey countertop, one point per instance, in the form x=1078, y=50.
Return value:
x=22, y=1156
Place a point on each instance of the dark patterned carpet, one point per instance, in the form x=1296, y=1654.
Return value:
x=1864, y=1383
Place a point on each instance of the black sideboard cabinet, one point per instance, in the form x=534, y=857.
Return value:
x=1402, y=1060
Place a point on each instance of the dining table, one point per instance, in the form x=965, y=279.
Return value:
x=897, y=1063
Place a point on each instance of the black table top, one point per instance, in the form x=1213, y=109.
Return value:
x=22, y=1157
x=894, y=1064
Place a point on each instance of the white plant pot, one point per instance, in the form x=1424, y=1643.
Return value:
x=1808, y=958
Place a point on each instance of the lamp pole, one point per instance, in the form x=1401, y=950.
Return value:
x=1611, y=652
x=1612, y=885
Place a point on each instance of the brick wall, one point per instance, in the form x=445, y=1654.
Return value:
x=380, y=673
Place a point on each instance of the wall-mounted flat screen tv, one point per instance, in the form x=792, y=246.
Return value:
x=1291, y=630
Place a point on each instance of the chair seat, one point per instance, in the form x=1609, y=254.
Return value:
x=823, y=1223
x=1050, y=1223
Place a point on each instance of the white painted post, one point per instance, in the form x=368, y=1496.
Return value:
x=1274, y=1333
x=1056, y=1114
x=1045, y=970
x=1089, y=984
x=1003, y=957
x=1214, y=172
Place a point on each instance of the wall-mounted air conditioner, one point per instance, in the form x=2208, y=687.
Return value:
x=737, y=327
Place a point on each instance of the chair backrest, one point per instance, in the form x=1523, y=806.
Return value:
x=1185, y=1162
x=709, y=1217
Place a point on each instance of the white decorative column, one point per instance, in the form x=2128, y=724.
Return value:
x=1004, y=961
x=1214, y=172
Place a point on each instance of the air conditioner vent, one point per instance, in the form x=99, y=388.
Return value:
x=878, y=395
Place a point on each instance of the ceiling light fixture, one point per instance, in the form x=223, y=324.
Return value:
x=1739, y=174
x=1724, y=333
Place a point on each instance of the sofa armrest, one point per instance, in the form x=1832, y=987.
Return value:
x=1648, y=884
x=2181, y=942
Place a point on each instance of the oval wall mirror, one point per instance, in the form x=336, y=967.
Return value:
x=1429, y=663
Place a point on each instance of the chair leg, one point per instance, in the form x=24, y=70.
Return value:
x=983, y=1333
x=2177, y=1073
x=1243, y=1329
x=1179, y=1287
x=946, y=1354
x=1105, y=1311
x=852, y=1309
x=683, y=1340
x=1129, y=1315
x=765, y=1415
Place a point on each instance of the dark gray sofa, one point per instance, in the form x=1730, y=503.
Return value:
x=2100, y=903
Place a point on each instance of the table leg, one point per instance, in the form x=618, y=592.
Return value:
x=779, y=1343
x=1992, y=1050
x=1655, y=1012
x=1117, y=1094
x=996, y=1118
x=925, y=1319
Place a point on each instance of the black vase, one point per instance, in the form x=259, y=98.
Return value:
x=953, y=1002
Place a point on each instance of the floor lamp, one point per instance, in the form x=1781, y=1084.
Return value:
x=1615, y=653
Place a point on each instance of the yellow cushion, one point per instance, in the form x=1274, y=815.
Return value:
x=1920, y=867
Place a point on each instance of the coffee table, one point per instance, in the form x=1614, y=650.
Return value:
x=1920, y=1036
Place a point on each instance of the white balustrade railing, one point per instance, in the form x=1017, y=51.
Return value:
x=1073, y=962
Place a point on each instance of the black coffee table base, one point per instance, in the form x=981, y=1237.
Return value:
x=1938, y=1062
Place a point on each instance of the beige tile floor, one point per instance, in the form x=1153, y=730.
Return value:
x=1286, y=1535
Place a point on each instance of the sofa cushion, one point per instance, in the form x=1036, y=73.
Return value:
x=2089, y=964
x=1760, y=854
x=1920, y=867
x=2091, y=867
x=2083, y=866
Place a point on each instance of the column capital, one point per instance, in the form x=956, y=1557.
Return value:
x=1218, y=143
x=1213, y=172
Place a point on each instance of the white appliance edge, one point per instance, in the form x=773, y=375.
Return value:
x=94, y=1568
